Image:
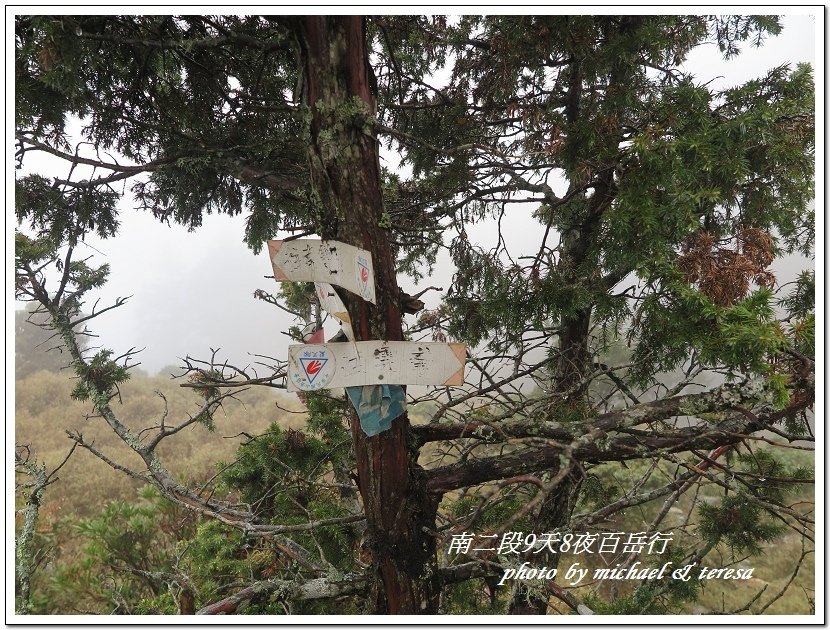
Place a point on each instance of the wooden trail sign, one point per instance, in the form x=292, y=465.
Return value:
x=333, y=262
x=350, y=364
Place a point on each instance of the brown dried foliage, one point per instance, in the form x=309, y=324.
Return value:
x=433, y=319
x=203, y=382
x=724, y=274
x=295, y=440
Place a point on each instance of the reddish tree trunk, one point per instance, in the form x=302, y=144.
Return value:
x=339, y=91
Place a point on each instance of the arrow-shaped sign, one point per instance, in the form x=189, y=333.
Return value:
x=350, y=364
x=332, y=262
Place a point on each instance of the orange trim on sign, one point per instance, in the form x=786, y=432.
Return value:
x=273, y=248
x=460, y=352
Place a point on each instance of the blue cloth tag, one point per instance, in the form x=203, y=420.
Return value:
x=377, y=406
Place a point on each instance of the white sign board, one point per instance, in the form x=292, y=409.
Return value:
x=350, y=364
x=332, y=262
x=332, y=304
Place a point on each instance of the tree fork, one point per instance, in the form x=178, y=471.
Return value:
x=338, y=89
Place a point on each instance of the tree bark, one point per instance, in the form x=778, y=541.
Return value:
x=345, y=173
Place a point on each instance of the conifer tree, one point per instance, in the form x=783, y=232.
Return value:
x=661, y=205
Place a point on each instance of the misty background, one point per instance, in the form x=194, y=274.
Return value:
x=194, y=291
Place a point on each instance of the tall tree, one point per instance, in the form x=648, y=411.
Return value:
x=345, y=175
x=661, y=177
x=682, y=192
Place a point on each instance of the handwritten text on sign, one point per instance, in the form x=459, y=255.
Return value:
x=313, y=260
x=350, y=364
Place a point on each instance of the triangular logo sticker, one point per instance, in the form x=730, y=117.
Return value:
x=312, y=368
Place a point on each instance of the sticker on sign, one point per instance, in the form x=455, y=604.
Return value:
x=313, y=368
x=332, y=262
x=366, y=288
x=350, y=364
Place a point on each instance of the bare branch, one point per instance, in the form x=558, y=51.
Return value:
x=284, y=590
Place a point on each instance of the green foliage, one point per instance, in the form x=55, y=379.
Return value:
x=472, y=597
x=801, y=301
x=652, y=597
x=738, y=521
x=731, y=30
x=598, y=492
x=128, y=555
x=643, y=601
x=162, y=604
x=123, y=534
x=742, y=337
x=32, y=255
x=184, y=113
x=800, y=308
x=63, y=216
x=327, y=417
x=273, y=472
x=691, y=158
x=88, y=277
x=216, y=556
x=416, y=239
x=31, y=251
x=62, y=582
x=748, y=334
x=804, y=336
x=282, y=475
x=297, y=296
x=99, y=378
x=491, y=300
x=769, y=477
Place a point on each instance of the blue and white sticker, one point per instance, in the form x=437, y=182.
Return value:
x=312, y=368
